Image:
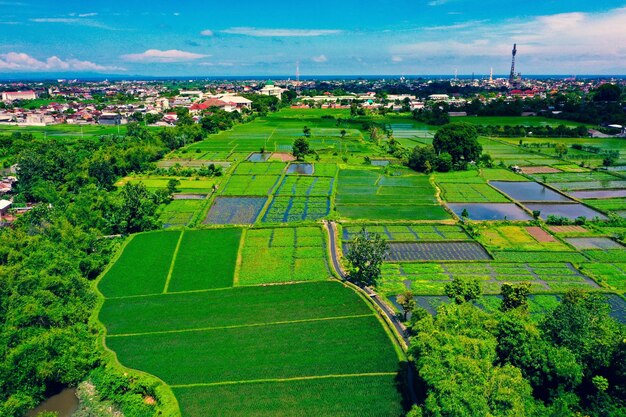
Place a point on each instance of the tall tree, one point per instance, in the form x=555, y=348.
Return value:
x=365, y=256
x=460, y=140
x=300, y=148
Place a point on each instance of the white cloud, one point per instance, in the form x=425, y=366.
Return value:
x=572, y=42
x=87, y=14
x=16, y=61
x=396, y=58
x=156, y=55
x=319, y=59
x=258, y=32
x=72, y=21
x=437, y=2
x=207, y=32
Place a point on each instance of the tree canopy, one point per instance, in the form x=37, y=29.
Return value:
x=460, y=140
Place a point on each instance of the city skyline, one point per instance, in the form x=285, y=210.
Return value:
x=361, y=38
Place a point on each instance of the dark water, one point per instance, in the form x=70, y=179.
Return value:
x=302, y=169
x=528, y=191
x=64, y=404
x=570, y=211
x=490, y=211
x=259, y=157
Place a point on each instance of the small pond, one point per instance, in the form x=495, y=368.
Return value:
x=598, y=194
x=500, y=211
x=301, y=169
x=570, y=211
x=64, y=404
x=259, y=157
x=528, y=191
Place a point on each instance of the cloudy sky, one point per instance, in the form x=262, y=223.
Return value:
x=339, y=37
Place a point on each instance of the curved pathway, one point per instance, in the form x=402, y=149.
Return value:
x=399, y=328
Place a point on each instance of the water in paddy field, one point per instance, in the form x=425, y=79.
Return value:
x=528, y=191
x=64, y=404
x=571, y=211
x=380, y=162
x=259, y=157
x=490, y=211
x=302, y=169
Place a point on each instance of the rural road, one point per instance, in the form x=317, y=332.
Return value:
x=399, y=328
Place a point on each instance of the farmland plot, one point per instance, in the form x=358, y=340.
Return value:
x=235, y=210
x=283, y=255
x=250, y=185
x=410, y=233
x=294, y=209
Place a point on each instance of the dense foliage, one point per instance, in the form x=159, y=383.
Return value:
x=506, y=363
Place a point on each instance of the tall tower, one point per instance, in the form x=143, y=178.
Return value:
x=297, y=77
x=491, y=76
x=512, y=74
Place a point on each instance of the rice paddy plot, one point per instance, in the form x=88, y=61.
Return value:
x=612, y=275
x=305, y=186
x=604, y=255
x=542, y=169
x=603, y=243
x=598, y=194
x=300, y=169
x=250, y=185
x=537, y=256
x=471, y=193
x=235, y=210
x=324, y=169
x=223, y=308
x=283, y=255
x=350, y=396
x=142, y=267
x=440, y=251
x=179, y=212
x=608, y=205
x=265, y=168
x=259, y=157
x=205, y=259
x=365, y=194
x=410, y=233
x=529, y=191
x=484, y=211
x=500, y=174
x=295, y=209
x=430, y=278
x=575, y=177
x=250, y=353
x=571, y=211
x=519, y=238
x=589, y=185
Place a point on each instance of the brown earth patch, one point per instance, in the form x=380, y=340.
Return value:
x=539, y=234
x=282, y=156
x=539, y=170
x=568, y=229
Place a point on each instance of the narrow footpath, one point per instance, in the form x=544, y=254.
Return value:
x=399, y=328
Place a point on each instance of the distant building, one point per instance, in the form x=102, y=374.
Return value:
x=110, y=119
x=5, y=205
x=269, y=89
x=10, y=96
x=439, y=97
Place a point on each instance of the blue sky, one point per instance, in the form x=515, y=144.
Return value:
x=417, y=37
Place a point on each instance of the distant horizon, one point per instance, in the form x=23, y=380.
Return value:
x=35, y=77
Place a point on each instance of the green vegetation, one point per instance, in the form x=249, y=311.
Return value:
x=205, y=259
x=283, y=255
